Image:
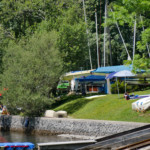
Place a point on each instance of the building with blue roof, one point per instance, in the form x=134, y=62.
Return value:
x=91, y=83
x=92, y=78
x=96, y=81
x=110, y=69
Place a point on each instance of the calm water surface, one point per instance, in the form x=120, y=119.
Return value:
x=21, y=137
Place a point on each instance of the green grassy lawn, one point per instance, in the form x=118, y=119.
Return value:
x=109, y=107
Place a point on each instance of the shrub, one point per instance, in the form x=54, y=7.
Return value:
x=31, y=72
x=121, y=86
x=118, y=85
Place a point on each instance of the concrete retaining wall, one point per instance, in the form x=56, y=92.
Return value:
x=96, y=128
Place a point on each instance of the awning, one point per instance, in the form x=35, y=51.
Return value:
x=63, y=86
x=91, y=78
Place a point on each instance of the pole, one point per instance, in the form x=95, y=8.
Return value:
x=87, y=32
x=81, y=69
x=144, y=30
x=117, y=87
x=100, y=36
x=129, y=58
x=105, y=33
x=125, y=84
x=134, y=39
x=110, y=49
x=97, y=38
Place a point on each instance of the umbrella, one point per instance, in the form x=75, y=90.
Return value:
x=111, y=75
x=124, y=73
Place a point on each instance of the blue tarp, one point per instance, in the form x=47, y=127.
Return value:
x=110, y=69
x=92, y=78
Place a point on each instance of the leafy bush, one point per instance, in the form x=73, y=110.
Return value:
x=31, y=72
x=118, y=85
x=121, y=86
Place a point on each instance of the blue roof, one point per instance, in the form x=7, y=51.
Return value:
x=110, y=69
x=92, y=78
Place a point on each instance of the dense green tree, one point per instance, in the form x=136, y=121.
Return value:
x=72, y=41
x=23, y=18
x=31, y=72
x=141, y=63
x=125, y=12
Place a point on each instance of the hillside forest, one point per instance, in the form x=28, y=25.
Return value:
x=42, y=39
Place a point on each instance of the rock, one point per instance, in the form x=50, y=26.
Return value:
x=50, y=113
x=61, y=114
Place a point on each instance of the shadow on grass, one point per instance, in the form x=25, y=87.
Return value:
x=74, y=106
x=65, y=99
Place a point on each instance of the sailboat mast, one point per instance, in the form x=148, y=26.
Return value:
x=100, y=34
x=134, y=39
x=87, y=32
x=105, y=33
x=97, y=39
x=144, y=30
x=129, y=58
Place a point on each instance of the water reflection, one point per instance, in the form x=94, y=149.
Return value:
x=20, y=137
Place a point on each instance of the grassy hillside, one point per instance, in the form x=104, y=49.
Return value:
x=109, y=107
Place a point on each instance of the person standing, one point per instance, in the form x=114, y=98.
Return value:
x=5, y=111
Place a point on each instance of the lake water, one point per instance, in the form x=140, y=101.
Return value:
x=22, y=137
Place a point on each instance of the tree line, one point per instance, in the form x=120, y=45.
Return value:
x=43, y=39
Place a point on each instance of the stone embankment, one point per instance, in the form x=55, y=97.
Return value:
x=95, y=128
